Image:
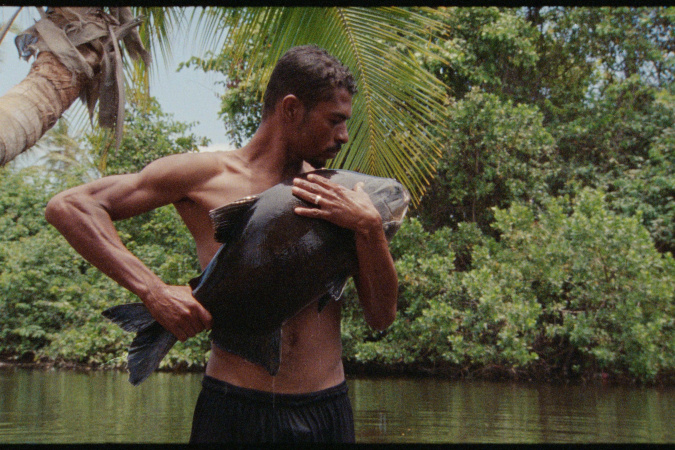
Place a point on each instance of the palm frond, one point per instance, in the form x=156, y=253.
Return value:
x=399, y=103
x=157, y=29
x=9, y=25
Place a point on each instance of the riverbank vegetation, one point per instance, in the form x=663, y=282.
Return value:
x=542, y=249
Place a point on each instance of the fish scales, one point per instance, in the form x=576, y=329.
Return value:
x=264, y=274
x=272, y=264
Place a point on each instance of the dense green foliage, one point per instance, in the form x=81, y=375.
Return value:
x=398, y=104
x=572, y=290
x=542, y=248
x=51, y=298
x=495, y=152
x=597, y=81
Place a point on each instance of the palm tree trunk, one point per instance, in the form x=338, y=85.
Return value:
x=34, y=105
x=77, y=56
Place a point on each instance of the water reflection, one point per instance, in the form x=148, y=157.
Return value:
x=64, y=406
x=402, y=410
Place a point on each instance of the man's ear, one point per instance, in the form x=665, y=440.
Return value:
x=292, y=108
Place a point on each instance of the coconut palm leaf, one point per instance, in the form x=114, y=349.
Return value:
x=10, y=25
x=399, y=103
x=157, y=33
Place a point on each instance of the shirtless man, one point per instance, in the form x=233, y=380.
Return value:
x=307, y=103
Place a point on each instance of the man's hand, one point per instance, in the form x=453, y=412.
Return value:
x=346, y=208
x=376, y=280
x=178, y=311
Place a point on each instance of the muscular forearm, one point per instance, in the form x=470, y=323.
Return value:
x=88, y=228
x=377, y=281
x=85, y=215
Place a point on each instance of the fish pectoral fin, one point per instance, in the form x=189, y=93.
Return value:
x=261, y=349
x=335, y=290
x=226, y=218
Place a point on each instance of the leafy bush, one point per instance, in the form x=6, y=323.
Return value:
x=605, y=292
x=496, y=152
x=561, y=294
x=650, y=188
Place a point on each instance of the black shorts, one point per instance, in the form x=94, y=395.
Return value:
x=228, y=413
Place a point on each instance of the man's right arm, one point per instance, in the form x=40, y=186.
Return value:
x=85, y=215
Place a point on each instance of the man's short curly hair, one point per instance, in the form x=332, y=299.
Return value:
x=308, y=72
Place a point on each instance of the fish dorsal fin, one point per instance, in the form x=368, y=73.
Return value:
x=335, y=290
x=226, y=218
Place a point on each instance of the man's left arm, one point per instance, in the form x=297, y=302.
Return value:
x=376, y=281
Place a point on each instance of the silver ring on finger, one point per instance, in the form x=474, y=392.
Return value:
x=317, y=200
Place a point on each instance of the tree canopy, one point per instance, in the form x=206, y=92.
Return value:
x=542, y=247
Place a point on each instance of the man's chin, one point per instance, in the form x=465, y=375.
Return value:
x=316, y=163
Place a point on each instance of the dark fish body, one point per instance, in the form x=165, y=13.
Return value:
x=272, y=263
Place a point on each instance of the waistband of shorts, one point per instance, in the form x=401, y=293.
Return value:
x=224, y=387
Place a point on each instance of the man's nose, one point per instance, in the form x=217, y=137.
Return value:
x=342, y=135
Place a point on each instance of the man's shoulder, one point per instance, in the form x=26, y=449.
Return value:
x=186, y=172
x=204, y=164
x=193, y=158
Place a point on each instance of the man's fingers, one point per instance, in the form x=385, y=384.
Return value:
x=186, y=318
x=197, y=321
x=315, y=185
x=308, y=196
x=179, y=333
x=321, y=181
x=310, y=212
x=186, y=330
x=205, y=318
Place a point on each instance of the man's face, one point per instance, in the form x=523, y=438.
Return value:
x=323, y=129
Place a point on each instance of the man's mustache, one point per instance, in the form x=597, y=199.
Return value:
x=317, y=164
x=335, y=149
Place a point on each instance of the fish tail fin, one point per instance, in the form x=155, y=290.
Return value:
x=152, y=341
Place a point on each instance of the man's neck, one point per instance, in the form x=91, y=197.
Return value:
x=267, y=152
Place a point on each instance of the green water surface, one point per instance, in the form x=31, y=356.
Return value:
x=56, y=406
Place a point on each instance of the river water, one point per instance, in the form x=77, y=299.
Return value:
x=56, y=406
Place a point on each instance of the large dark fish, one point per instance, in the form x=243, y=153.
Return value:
x=272, y=263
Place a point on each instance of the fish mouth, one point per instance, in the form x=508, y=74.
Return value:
x=390, y=229
x=398, y=208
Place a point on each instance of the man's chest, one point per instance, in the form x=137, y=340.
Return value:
x=212, y=194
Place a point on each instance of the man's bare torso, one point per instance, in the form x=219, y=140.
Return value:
x=311, y=344
x=199, y=182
